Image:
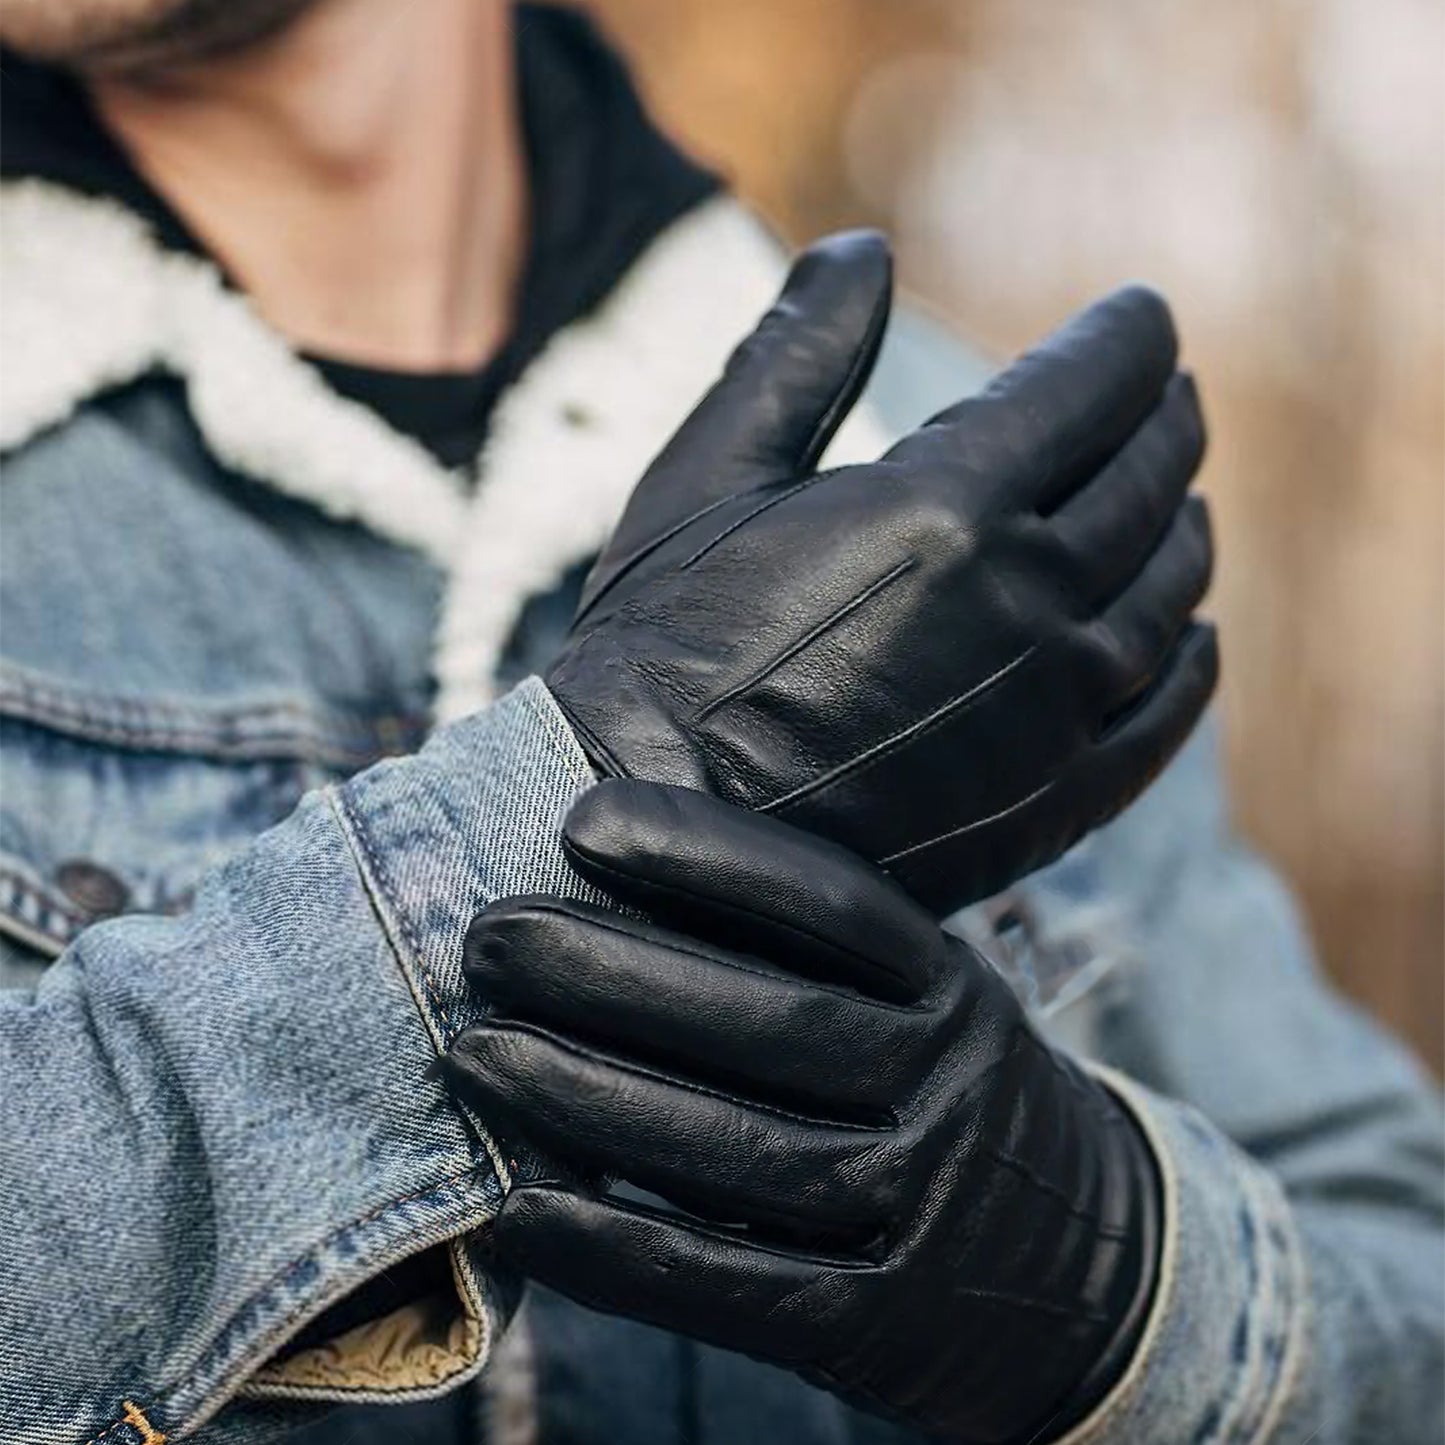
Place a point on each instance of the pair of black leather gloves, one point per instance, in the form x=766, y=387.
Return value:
x=832, y=707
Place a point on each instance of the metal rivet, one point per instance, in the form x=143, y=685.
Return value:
x=93, y=889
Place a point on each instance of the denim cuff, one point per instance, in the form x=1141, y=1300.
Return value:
x=1227, y=1325
x=220, y=1124
x=475, y=816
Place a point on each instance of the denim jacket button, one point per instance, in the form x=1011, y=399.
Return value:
x=90, y=887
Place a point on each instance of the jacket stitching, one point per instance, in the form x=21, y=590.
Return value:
x=253, y=731
x=25, y=887
x=559, y=730
x=1275, y=1305
x=1292, y=1363
x=429, y=986
x=417, y=979
x=135, y=1419
x=278, y=1327
x=21, y=687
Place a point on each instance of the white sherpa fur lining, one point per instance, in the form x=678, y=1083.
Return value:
x=91, y=300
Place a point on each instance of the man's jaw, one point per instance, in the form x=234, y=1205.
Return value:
x=141, y=38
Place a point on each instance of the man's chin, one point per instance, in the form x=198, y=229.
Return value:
x=138, y=36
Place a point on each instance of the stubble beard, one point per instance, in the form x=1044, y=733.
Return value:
x=140, y=37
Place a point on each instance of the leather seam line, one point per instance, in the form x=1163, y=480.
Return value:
x=742, y=521
x=641, y=554
x=814, y=633
x=1034, y=1306
x=703, y=1228
x=880, y=750
x=1088, y=1216
x=843, y=401
x=970, y=827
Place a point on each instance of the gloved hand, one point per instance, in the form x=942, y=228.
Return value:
x=957, y=660
x=892, y=1184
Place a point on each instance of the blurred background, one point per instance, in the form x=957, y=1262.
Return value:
x=1278, y=169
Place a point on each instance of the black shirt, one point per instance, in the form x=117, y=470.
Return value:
x=602, y=181
x=448, y=412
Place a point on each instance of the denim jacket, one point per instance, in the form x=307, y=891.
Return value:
x=259, y=766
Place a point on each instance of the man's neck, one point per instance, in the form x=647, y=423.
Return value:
x=362, y=176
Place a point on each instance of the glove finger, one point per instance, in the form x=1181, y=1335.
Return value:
x=1044, y=823
x=1142, y=741
x=1112, y=525
x=784, y=393
x=1045, y=425
x=671, y=1273
x=670, y=1002
x=1138, y=629
x=754, y=884
x=707, y=1151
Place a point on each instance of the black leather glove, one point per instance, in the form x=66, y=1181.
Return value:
x=957, y=660
x=892, y=1185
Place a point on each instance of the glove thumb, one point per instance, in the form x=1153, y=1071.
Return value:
x=785, y=391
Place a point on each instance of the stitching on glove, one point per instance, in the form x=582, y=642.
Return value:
x=881, y=749
x=806, y=640
x=1089, y=1216
x=641, y=554
x=748, y=517
x=969, y=827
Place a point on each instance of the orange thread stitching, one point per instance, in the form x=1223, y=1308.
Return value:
x=134, y=1417
x=149, y=1435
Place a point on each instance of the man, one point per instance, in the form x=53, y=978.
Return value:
x=254, y=545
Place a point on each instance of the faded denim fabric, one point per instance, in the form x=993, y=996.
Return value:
x=214, y=1125
x=219, y=1109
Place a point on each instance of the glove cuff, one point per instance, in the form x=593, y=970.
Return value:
x=1133, y=1286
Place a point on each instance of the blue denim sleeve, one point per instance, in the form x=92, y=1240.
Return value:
x=214, y=1126
x=1302, y=1295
